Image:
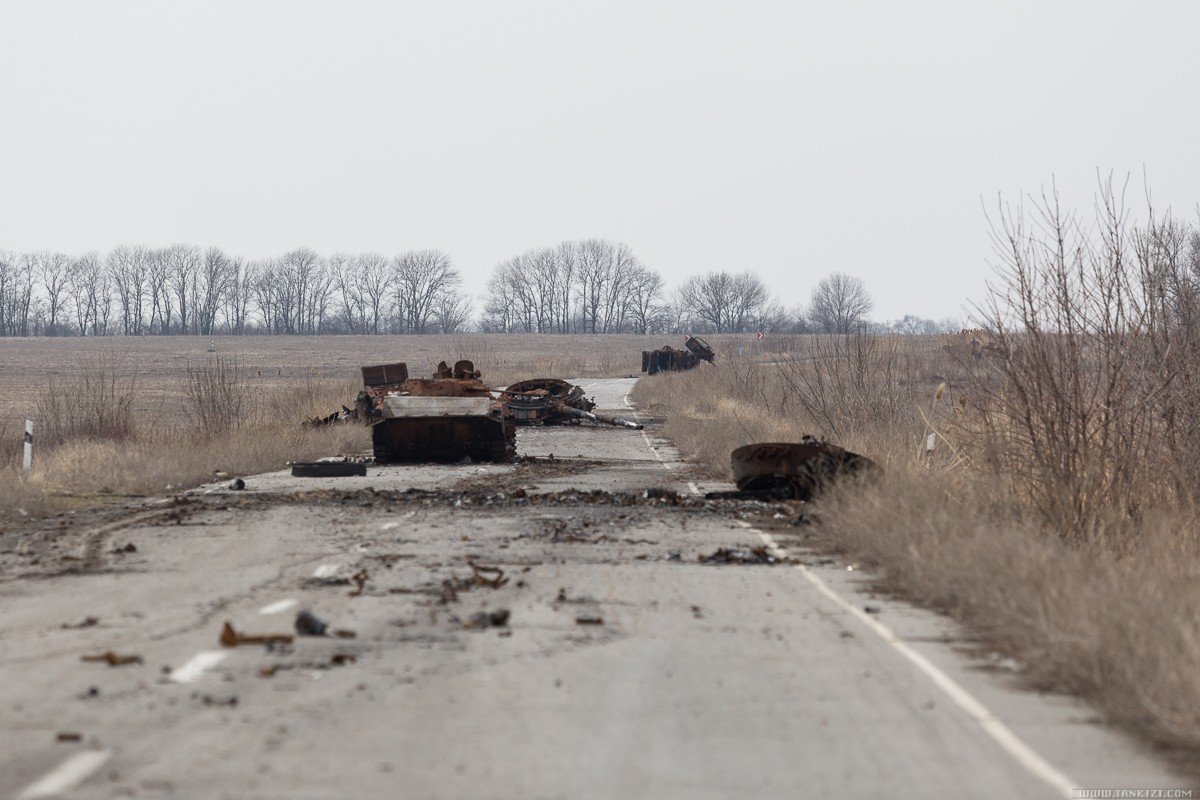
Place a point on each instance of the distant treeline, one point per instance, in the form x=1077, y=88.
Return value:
x=589, y=286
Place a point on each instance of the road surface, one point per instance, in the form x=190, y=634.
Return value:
x=626, y=668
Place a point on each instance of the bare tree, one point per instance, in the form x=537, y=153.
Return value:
x=54, y=272
x=128, y=268
x=724, y=302
x=840, y=303
x=16, y=293
x=419, y=278
x=183, y=263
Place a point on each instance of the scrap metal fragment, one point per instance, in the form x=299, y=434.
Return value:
x=749, y=555
x=231, y=638
x=112, y=659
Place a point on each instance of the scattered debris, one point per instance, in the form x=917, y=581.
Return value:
x=488, y=619
x=750, y=555
x=128, y=548
x=341, y=659
x=658, y=493
x=86, y=622
x=360, y=582
x=227, y=701
x=237, y=485
x=68, y=736
x=309, y=624
x=872, y=609
x=668, y=359
x=589, y=620
x=231, y=638
x=112, y=659
x=343, y=633
x=492, y=577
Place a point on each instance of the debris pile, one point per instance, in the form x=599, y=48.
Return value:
x=668, y=359
x=550, y=401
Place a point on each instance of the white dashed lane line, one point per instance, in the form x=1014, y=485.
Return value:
x=1022, y=753
x=67, y=775
x=197, y=664
x=279, y=606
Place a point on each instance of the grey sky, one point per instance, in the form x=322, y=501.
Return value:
x=792, y=139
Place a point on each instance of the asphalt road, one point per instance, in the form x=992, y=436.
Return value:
x=626, y=669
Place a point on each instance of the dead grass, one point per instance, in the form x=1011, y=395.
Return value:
x=158, y=414
x=1115, y=618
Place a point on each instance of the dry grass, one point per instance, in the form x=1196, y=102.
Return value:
x=1115, y=617
x=157, y=414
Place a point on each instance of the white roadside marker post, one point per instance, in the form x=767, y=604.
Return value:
x=27, y=464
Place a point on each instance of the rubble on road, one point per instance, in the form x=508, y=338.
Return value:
x=668, y=359
x=309, y=624
x=746, y=555
x=488, y=619
x=113, y=659
x=231, y=638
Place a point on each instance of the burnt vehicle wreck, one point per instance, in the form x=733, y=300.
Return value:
x=668, y=359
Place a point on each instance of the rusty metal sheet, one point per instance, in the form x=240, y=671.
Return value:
x=385, y=374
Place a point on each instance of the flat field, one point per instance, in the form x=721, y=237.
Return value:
x=28, y=367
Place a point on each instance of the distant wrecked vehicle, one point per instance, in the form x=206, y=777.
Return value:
x=668, y=359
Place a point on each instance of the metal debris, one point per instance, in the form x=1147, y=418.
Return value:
x=488, y=576
x=488, y=619
x=341, y=659
x=68, y=736
x=748, y=555
x=237, y=485
x=790, y=470
x=551, y=401
x=333, y=468
x=309, y=624
x=360, y=582
x=86, y=622
x=589, y=620
x=231, y=638
x=668, y=359
x=113, y=659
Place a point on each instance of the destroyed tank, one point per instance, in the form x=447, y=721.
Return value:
x=448, y=417
x=668, y=359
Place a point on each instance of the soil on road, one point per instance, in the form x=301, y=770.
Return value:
x=539, y=630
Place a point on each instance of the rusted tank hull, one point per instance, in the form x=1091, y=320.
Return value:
x=668, y=359
x=442, y=439
x=791, y=469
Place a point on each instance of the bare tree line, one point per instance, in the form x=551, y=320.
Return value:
x=585, y=286
x=181, y=289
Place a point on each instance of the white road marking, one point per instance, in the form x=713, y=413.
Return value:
x=1022, y=753
x=667, y=465
x=67, y=775
x=278, y=607
x=197, y=664
x=325, y=571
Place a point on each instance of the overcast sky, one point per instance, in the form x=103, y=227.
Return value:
x=792, y=139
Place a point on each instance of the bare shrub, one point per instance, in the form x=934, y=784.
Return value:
x=218, y=394
x=93, y=401
x=1089, y=401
